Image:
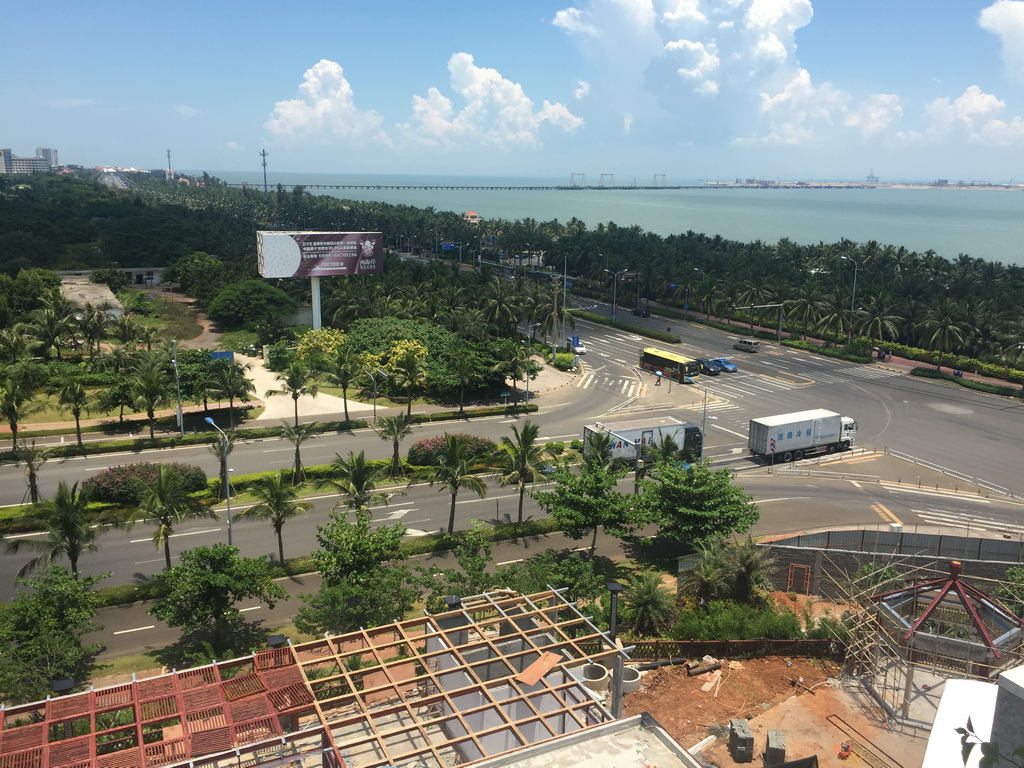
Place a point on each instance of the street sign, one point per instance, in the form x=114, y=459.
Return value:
x=628, y=277
x=771, y=446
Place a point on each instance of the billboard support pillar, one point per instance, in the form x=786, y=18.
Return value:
x=314, y=284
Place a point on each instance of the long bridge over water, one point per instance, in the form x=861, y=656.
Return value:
x=555, y=188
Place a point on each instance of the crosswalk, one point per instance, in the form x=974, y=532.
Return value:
x=623, y=385
x=745, y=384
x=974, y=523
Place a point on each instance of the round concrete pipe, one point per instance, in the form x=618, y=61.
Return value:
x=595, y=676
x=630, y=679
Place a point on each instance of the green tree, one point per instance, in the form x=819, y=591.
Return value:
x=165, y=504
x=395, y=428
x=202, y=592
x=221, y=448
x=694, y=504
x=151, y=388
x=473, y=573
x=358, y=479
x=409, y=373
x=17, y=393
x=67, y=530
x=343, y=370
x=72, y=397
x=297, y=379
x=277, y=502
x=649, y=606
x=244, y=304
x=297, y=436
x=453, y=473
x=229, y=382
x=365, y=583
x=584, y=502
x=518, y=459
x=41, y=634
x=33, y=458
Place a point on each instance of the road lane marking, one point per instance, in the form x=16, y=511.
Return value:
x=886, y=514
x=254, y=608
x=178, y=535
x=134, y=629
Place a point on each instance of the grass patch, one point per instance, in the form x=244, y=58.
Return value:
x=237, y=341
x=173, y=319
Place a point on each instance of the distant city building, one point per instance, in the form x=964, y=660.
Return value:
x=49, y=155
x=11, y=163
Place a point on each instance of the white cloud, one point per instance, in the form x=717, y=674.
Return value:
x=325, y=106
x=187, y=111
x=686, y=10
x=971, y=107
x=1005, y=19
x=704, y=59
x=874, y=114
x=627, y=123
x=496, y=111
x=582, y=90
x=234, y=146
x=574, y=21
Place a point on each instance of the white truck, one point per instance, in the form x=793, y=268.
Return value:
x=792, y=436
x=629, y=439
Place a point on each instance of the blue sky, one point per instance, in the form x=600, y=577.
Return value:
x=692, y=89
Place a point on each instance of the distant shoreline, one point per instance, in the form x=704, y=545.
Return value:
x=860, y=185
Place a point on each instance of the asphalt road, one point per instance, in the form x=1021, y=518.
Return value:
x=968, y=432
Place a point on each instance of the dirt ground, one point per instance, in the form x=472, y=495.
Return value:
x=817, y=714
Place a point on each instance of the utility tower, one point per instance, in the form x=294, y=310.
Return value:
x=263, y=154
x=610, y=177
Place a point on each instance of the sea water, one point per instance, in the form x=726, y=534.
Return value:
x=982, y=223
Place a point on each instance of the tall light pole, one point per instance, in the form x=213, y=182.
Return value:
x=615, y=285
x=686, y=304
x=177, y=384
x=853, y=297
x=227, y=478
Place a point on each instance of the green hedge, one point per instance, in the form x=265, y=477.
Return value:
x=978, y=386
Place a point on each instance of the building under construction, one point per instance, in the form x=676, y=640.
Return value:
x=498, y=675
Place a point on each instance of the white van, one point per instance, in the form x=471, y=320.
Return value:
x=746, y=345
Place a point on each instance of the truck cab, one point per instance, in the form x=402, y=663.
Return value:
x=849, y=430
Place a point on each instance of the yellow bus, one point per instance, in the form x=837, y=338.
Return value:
x=669, y=364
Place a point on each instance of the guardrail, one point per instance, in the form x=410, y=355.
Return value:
x=953, y=473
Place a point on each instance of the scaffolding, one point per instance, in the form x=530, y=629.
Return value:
x=911, y=628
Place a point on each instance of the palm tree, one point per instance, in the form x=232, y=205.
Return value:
x=151, y=387
x=518, y=459
x=665, y=451
x=945, y=329
x=72, y=397
x=297, y=379
x=410, y=373
x=297, y=436
x=395, y=428
x=93, y=325
x=453, y=473
x=33, y=458
x=278, y=503
x=16, y=396
x=711, y=577
x=165, y=504
x=53, y=323
x=650, y=605
x=221, y=448
x=357, y=479
x=344, y=370
x=753, y=570
x=67, y=531
x=228, y=382
x=464, y=367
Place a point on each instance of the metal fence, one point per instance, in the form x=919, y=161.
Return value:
x=910, y=544
x=654, y=650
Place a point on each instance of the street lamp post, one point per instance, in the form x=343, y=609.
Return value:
x=615, y=285
x=853, y=297
x=177, y=384
x=227, y=478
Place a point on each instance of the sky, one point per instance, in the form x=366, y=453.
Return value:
x=684, y=90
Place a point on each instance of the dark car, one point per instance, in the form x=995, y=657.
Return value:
x=642, y=312
x=725, y=365
x=709, y=367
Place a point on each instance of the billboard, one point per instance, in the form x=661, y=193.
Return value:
x=319, y=254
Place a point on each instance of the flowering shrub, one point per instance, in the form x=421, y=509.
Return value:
x=427, y=452
x=125, y=484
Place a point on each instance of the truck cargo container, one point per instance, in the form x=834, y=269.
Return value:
x=793, y=436
x=630, y=439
